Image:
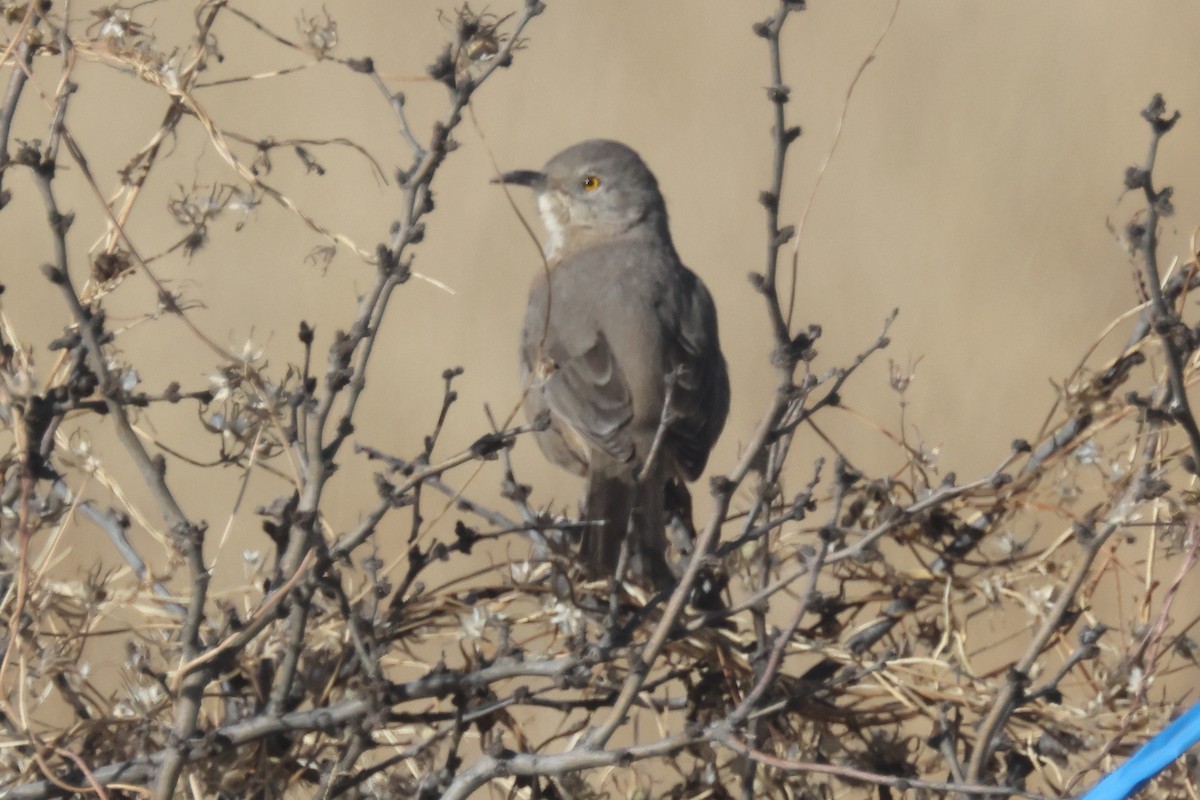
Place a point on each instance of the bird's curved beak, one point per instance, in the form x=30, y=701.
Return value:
x=522, y=177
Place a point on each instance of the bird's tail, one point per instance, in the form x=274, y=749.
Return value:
x=616, y=503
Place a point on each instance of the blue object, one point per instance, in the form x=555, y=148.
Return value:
x=1154, y=756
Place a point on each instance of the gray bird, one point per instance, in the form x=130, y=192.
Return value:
x=615, y=324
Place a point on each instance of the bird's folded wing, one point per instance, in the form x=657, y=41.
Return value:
x=586, y=390
x=700, y=397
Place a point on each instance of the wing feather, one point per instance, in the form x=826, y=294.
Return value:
x=588, y=392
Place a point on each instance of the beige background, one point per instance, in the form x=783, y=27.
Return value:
x=981, y=156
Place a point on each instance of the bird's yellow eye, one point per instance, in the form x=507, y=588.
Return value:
x=590, y=183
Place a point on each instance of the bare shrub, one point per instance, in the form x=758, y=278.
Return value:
x=843, y=635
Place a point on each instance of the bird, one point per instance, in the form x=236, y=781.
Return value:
x=620, y=350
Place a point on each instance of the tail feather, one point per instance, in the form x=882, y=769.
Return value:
x=607, y=509
x=617, y=503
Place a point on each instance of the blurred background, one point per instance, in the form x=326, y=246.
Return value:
x=979, y=168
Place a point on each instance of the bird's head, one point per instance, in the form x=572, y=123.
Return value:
x=594, y=189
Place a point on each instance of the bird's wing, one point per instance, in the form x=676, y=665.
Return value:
x=558, y=442
x=584, y=387
x=700, y=397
